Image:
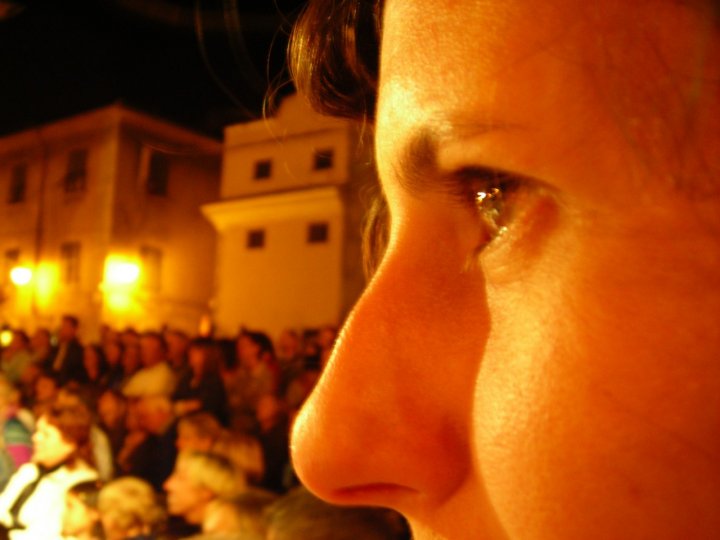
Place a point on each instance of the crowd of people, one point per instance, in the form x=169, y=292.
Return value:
x=162, y=435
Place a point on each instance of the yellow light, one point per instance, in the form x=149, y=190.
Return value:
x=20, y=275
x=121, y=271
x=6, y=337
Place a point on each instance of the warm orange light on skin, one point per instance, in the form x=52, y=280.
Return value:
x=21, y=275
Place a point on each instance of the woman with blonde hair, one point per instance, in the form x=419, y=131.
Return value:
x=129, y=508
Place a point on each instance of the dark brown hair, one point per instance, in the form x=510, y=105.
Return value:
x=73, y=422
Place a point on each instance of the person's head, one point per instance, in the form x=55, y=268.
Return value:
x=94, y=361
x=112, y=408
x=154, y=413
x=204, y=357
x=299, y=514
x=81, y=517
x=62, y=435
x=130, y=359
x=9, y=397
x=18, y=342
x=40, y=342
x=240, y=517
x=197, y=479
x=113, y=351
x=129, y=507
x=46, y=387
x=244, y=452
x=198, y=431
x=177, y=346
x=254, y=348
x=153, y=349
x=69, y=325
x=539, y=339
x=288, y=345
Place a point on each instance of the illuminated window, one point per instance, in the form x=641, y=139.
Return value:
x=158, y=174
x=317, y=233
x=70, y=262
x=151, y=259
x=76, y=171
x=323, y=159
x=263, y=169
x=18, y=184
x=256, y=239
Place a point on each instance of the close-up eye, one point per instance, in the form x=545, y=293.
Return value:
x=490, y=194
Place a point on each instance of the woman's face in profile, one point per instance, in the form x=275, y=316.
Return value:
x=537, y=354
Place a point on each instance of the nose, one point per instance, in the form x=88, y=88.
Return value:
x=390, y=421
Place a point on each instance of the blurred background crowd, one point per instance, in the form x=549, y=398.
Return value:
x=162, y=435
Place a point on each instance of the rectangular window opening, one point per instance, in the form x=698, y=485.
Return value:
x=256, y=239
x=323, y=159
x=70, y=262
x=75, y=176
x=151, y=272
x=158, y=174
x=263, y=169
x=18, y=184
x=318, y=233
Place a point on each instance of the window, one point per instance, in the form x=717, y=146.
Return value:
x=18, y=183
x=70, y=262
x=323, y=159
x=11, y=257
x=158, y=174
x=151, y=258
x=256, y=239
x=263, y=169
x=76, y=171
x=317, y=233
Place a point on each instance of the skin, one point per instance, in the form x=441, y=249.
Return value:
x=185, y=498
x=49, y=445
x=561, y=380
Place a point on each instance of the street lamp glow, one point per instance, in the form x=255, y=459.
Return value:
x=121, y=272
x=20, y=275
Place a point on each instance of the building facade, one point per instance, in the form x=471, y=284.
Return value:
x=101, y=219
x=288, y=220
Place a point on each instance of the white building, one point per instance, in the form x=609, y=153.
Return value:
x=289, y=221
x=100, y=218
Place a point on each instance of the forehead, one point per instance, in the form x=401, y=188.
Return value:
x=571, y=75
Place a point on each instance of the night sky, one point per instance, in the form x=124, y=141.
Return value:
x=64, y=57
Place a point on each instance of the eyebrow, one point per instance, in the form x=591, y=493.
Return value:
x=416, y=167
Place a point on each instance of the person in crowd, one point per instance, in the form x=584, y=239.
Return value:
x=130, y=362
x=150, y=452
x=130, y=509
x=253, y=378
x=16, y=357
x=112, y=418
x=201, y=387
x=539, y=339
x=155, y=370
x=289, y=358
x=45, y=392
x=299, y=514
x=96, y=368
x=32, y=504
x=198, y=431
x=81, y=517
x=198, y=479
x=245, y=453
x=41, y=347
x=115, y=375
x=273, y=434
x=242, y=517
x=15, y=436
x=178, y=344
x=80, y=398
x=67, y=363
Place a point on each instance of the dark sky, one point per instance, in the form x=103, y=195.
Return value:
x=60, y=58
